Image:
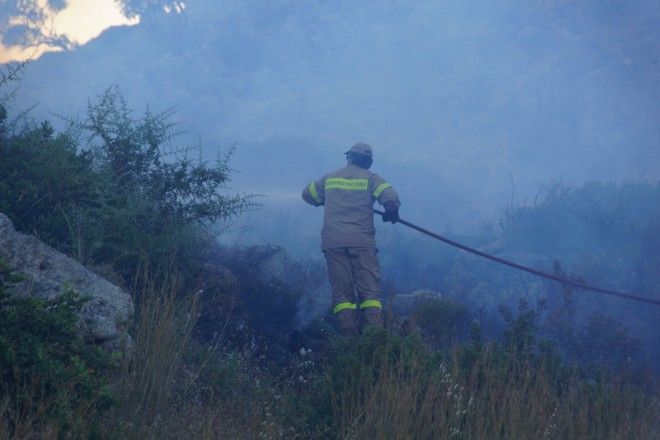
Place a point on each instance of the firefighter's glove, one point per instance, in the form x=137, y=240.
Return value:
x=391, y=216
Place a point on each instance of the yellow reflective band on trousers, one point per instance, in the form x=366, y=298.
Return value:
x=380, y=188
x=371, y=303
x=347, y=184
x=344, y=306
x=314, y=193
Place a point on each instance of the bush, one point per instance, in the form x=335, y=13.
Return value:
x=119, y=198
x=521, y=335
x=153, y=198
x=47, y=369
x=46, y=186
x=352, y=369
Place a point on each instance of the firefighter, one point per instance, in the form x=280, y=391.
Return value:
x=348, y=236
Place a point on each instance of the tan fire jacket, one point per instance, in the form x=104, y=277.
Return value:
x=348, y=196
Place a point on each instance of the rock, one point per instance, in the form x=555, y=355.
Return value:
x=403, y=304
x=273, y=266
x=48, y=273
x=266, y=263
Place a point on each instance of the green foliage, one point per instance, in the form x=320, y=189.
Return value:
x=3, y=119
x=147, y=382
x=595, y=338
x=131, y=153
x=521, y=334
x=380, y=385
x=353, y=365
x=46, y=366
x=43, y=182
x=360, y=359
x=466, y=354
x=118, y=198
x=563, y=218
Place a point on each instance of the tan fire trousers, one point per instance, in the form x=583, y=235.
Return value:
x=355, y=280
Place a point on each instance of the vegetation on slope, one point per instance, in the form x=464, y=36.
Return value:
x=107, y=193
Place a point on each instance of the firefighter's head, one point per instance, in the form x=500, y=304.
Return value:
x=361, y=155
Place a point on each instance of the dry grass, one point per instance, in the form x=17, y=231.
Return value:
x=27, y=415
x=158, y=390
x=404, y=403
x=156, y=386
x=392, y=395
x=494, y=401
x=151, y=367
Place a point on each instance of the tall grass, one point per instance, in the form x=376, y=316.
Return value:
x=494, y=399
x=152, y=365
x=376, y=386
x=407, y=401
x=522, y=398
x=31, y=418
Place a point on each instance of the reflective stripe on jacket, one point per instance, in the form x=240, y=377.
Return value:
x=348, y=195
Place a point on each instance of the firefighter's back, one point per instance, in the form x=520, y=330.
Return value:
x=348, y=219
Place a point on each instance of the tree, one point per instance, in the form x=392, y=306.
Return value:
x=150, y=194
x=119, y=196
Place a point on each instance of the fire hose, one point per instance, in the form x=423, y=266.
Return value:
x=550, y=276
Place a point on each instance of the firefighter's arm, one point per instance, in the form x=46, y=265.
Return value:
x=314, y=193
x=383, y=192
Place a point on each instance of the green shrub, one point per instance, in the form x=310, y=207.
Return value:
x=153, y=198
x=351, y=369
x=119, y=197
x=522, y=330
x=47, y=368
x=46, y=185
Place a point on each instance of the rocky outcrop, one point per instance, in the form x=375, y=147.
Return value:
x=48, y=273
x=403, y=304
x=266, y=263
x=273, y=267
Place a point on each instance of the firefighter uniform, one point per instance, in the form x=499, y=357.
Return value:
x=348, y=240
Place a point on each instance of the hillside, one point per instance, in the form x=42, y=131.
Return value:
x=162, y=278
x=490, y=93
x=237, y=342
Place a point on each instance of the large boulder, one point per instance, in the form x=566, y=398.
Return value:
x=267, y=270
x=440, y=320
x=48, y=273
x=268, y=264
x=404, y=304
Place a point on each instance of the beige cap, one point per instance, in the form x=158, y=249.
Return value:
x=361, y=148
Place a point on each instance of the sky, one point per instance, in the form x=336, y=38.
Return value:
x=78, y=20
x=469, y=105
